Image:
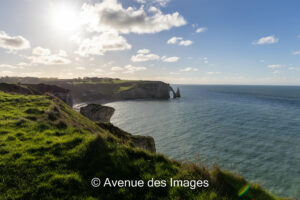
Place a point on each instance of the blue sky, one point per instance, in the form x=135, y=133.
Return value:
x=238, y=42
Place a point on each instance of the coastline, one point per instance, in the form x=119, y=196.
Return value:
x=76, y=106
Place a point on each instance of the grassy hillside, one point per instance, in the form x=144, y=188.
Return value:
x=49, y=151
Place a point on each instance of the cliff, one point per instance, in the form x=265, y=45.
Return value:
x=102, y=114
x=16, y=89
x=49, y=151
x=95, y=89
x=145, y=90
x=38, y=89
x=144, y=142
x=97, y=112
x=62, y=93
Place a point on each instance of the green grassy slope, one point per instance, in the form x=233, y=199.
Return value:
x=49, y=151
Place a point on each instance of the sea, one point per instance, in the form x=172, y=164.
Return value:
x=253, y=131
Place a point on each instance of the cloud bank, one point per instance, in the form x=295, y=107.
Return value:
x=46, y=57
x=13, y=42
x=110, y=15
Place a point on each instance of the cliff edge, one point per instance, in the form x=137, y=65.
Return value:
x=49, y=151
x=144, y=142
x=95, y=89
x=97, y=112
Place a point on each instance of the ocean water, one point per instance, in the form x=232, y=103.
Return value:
x=252, y=130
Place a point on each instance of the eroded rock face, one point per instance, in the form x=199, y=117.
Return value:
x=97, y=112
x=143, y=142
x=15, y=89
x=62, y=93
x=146, y=90
x=38, y=89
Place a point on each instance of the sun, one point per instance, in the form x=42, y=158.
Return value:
x=65, y=18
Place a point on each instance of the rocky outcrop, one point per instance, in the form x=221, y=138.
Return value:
x=97, y=112
x=15, y=89
x=175, y=94
x=144, y=142
x=38, y=89
x=62, y=93
x=102, y=114
x=178, y=95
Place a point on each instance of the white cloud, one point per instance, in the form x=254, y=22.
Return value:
x=143, y=51
x=80, y=68
x=266, y=40
x=98, y=45
x=128, y=69
x=117, y=69
x=296, y=52
x=10, y=66
x=13, y=42
x=180, y=41
x=63, y=53
x=39, y=51
x=204, y=59
x=174, y=73
x=294, y=68
x=105, y=21
x=276, y=72
x=170, y=59
x=188, y=69
x=277, y=66
x=132, y=69
x=158, y=2
x=45, y=57
x=6, y=73
x=185, y=43
x=143, y=57
x=174, y=40
x=213, y=73
x=201, y=30
x=23, y=64
x=99, y=70
x=110, y=15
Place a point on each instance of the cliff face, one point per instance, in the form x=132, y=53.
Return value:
x=38, y=89
x=144, y=142
x=102, y=114
x=146, y=90
x=97, y=112
x=15, y=89
x=62, y=93
x=119, y=91
x=95, y=89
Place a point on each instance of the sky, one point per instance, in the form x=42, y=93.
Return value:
x=176, y=41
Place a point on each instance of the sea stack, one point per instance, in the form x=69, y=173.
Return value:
x=97, y=112
x=178, y=93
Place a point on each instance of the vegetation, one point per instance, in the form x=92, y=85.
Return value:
x=49, y=151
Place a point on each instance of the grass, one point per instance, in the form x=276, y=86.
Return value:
x=103, y=81
x=49, y=151
x=124, y=88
